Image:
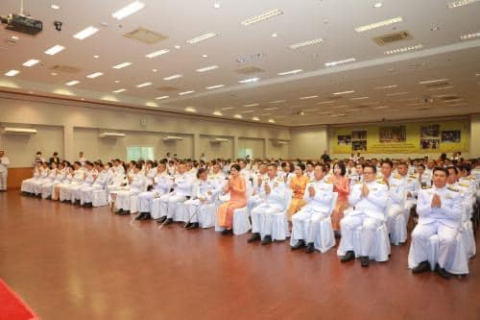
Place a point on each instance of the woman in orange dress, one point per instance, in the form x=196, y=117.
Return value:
x=341, y=185
x=298, y=184
x=238, y=199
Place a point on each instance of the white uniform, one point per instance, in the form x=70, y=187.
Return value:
x=444, y=221
x=4, y=163
x=161, y=185
x=49, y=177
x=138, y=184
x=27, y=185
x=87, y=182
x=86, y=193
x=47, y=188
x=368, y=212
x=203, y=193
x=182, y=189
x=66, y=190
x=269, y=205
x=307, y=220
x=396, y=209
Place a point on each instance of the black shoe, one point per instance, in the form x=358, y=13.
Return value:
x=162, y=219
x=168, y=221
x=299, y=245
x=227, y=232
x=266, y=240
x=140, y=216
x=337, y=234
x=365, y=261
x=147, y=216
x=402, y=243
x=192, y=225
x=88, y=205
x=310, y=248
x=443, y=273
x=422, y=267
x=255, y=237
x=349, y=256
x=119, y=211
x=48, y=198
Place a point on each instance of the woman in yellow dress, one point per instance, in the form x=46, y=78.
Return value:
x=238, y=199
x=298, y=184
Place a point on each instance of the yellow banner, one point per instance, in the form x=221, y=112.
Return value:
x=438, y=137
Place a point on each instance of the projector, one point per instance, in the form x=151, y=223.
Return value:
x=23, y=24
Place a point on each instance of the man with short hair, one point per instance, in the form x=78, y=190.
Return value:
x=440, y=212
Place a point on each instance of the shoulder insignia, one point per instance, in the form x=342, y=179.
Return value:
x=452, y=189
x=381, y=181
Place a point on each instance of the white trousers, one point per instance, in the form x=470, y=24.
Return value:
x=305, y=224
x=397, y=223
x=262, y=217
x=65, y=193
x=168, y=202
x=123, y=199
x=145, y=200
x=369, y=225
x=421, y=243
x=3, y=180
x=86, y=193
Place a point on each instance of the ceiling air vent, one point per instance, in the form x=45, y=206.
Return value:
x=450, y=98
x=145, y=36
x=65, y=69
x=167, y=89
x=392, y=37
x=249, y=70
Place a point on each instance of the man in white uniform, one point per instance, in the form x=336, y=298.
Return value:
x=440, y=212
x=148, y=201
x=318, y=197
x=4, y=163
x=369, y=200
x=272, y=200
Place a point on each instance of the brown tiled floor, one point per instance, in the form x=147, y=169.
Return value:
x=73, y=263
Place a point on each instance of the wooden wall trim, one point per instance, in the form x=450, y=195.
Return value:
x=17, y=175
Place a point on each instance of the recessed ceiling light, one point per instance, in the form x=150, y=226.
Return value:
x=190, y=109
x=470, y=36
x=238, y=116
x=217, y=5
x=306, y=43
x=404, y=49
x=128, y=10
x=271, y=121
x=122, y=65
x=54, y=74
x=256, y=119
x=201, y=38
x=271, y=108
x=228, y=108
x=308, y=97
x=15, y=38
x=381, y=107
x=143, y=85
x=343, y=92
x=326, y=102
x=391, y=86
x=262, y=17
x=204, y=56
x=186, y=92
x=205, y=69
x=396, y=94
x=339, y=62
x=12, y=73
x=157, y=53
x=95, y=75
x=218, y=113
x=177, y=47
x=96, y=56
x=251, y=105
x=218, y=86
x=54, y=50
x=119, y=90
x=175, y=76
x=460, y=3
x=378, y=5
x=359, y=98
x=433, y=81
x=31, y=63
x=247, y=111
x=277, y=101
x=379, y=24
x=274, y=35
x=72, y=83
x=85, y=33
x=440, y=88
x=55, y=6
x=250, y=80
x=162, y=97
x=117, y=81
x=289, y=72
x=154, y=70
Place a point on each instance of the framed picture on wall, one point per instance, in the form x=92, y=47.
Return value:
x=451, y=136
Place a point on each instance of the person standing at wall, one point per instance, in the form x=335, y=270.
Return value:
x=4, y=163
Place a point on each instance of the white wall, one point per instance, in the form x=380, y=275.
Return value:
x=78, y=125
x=308, y=143
x=257, y=146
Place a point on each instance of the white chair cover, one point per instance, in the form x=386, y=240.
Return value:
x=280, y=230
x=207, y=215
x=380, y=249
x=99, y=198
x=324, y=238
x=181, y=213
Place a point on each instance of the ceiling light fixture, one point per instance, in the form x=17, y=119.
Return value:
x=218, y=113
x=378, y=5
x=31, y=63
x=308, y=97
x=460, y=3
x=404, y=49
x=177, y=47
x=391, y=86
x=277, y=101
x=54, y=50
x=341, y=93
x=173, y=77
x=379, y=24
x=217, y=5
x=143, y=85
x=157, y=53
x=470, y=36
x=85, y=33
x=209, y=68
x=339, y=62
x=238, y=116
x=186, y=92
x=247, y=111
x=251, y=105
x=440, y=88
x=55, y=6
x=72, y=83
x=381, y=107
x=274, y=35
x=119, y=90
x=433, y=81
x=218, y=86
x=262, y=17
x=289, y=72
x=201, y=38
x=326, y=102
x=12, y=73
x=122, y=65
x=271, y=121
x=306, y=43
x=95, y=75
x=162, y=98
x=128, y=10
x=250, y=80
x=256, y=119
x=228, y=108
x=359, y=98
x=190, y=109
x=396, y=94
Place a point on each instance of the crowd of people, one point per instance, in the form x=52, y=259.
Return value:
x=364, y=204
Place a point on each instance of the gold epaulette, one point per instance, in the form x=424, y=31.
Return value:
x=452, y=189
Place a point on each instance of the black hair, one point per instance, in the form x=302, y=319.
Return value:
x=445, y=170
x=453, y=168
x=343, y=169
x=374, y=168
x=389, y=162
x=235, y=166
x=200, y=171
x=301, y=166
